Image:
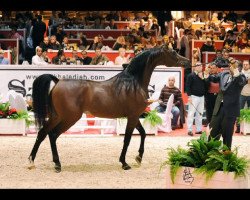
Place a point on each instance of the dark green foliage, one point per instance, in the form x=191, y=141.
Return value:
x=207, y=157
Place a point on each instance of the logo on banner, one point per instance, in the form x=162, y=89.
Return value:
x=18, y=86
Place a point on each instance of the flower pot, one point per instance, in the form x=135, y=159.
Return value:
x=245, y=127
x=12, y=126
x=121, y=126
x=187, y=178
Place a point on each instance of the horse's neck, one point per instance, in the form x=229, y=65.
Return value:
x=147, y=76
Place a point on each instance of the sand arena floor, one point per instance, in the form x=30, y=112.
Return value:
x=90, y=162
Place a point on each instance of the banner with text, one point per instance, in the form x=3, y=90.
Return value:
x=20, y=77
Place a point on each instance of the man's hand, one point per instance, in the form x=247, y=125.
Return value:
x=235, y=72
x=206, y=72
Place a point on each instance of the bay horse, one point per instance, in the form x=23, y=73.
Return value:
x=59, y=104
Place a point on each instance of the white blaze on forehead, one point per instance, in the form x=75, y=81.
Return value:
x=52, y=84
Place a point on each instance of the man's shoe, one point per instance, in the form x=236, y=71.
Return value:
x=190, y=133
x=200, y=132
x=174, y=127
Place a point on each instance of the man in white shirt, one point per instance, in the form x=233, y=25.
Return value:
x=38, y=58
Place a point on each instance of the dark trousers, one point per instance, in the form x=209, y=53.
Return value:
x=222, y=125
x=210, y=99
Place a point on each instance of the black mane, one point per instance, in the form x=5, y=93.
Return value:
x=130, y=77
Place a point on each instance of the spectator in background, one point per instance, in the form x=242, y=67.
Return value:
x=83, y=43
x=3, y=61
x=113, y=15
x=221, y=60
x=65, y=43
x=195, y=90
x=60, y=34
x=243, y=41
x=121, y=59
x=120, y=43
x=165, y=40
x=54, y=44
x=96, y=44
x=38, y=58
x=111, y=25
x=59, y=58
x=207, y=46
x=163, y=17
x=172, y=43
x=230, y=40
x=86, y=60
x=222, y=35
x=245, y=93
x=99, y=58
x=74, y=57
x=185, y=48
x=212, y=91
x=45, y=44
x=39, y=29
x=178, y=107
x=45, y=57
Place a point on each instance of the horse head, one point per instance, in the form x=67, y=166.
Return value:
x=173, y=59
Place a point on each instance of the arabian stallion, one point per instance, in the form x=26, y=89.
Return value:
x=59, y=104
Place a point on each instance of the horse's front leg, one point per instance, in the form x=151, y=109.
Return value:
x=132, y=122
x=142, y=132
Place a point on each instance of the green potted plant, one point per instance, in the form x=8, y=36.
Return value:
x=244, y=120
x=206, y=164
x=149, y=119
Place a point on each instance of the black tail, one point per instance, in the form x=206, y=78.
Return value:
x=41, y=97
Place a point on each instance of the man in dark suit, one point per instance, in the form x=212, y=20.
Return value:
x=227, y=105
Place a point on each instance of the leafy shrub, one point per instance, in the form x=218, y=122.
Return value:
x=207, y=157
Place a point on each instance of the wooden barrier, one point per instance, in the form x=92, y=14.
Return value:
x=209, y=56
x=8, y=43
x=122, y=24
x=199, y=25
x=91, y=33
x=6, y=32
x=106, y=42
x=110, y=54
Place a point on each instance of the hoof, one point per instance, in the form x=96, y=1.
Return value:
x=138, y=159
x=31, y=164
x=126, y=167
x=31, y=167
x=58, y=169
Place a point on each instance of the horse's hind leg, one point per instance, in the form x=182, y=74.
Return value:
x=128, y=133
x=53, y=135
x=142, y=132
x=40, y=137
